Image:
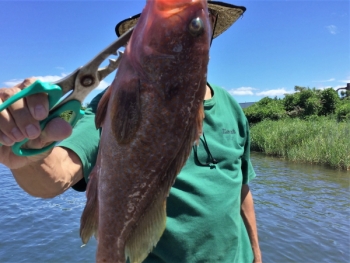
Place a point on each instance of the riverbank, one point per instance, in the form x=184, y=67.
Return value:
x=320, y=141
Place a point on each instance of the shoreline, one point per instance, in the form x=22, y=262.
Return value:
x=320, y=141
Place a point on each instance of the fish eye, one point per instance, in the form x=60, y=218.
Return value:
x=196, y=26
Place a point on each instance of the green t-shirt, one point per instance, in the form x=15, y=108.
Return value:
x=204, y=223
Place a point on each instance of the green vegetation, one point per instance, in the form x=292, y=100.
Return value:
x=322, y=140
x=303, y=104
x=307, y=126
x=67, y=114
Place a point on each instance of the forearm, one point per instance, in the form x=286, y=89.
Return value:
x=248, y=215
x=51, y=176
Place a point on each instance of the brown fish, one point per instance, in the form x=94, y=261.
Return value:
x=150, y=117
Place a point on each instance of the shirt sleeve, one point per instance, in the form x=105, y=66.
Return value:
x=84, y=141
x=247, y=167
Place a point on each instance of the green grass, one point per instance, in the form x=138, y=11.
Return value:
x=321, y=140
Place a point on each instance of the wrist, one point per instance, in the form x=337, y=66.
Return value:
x=257, y=254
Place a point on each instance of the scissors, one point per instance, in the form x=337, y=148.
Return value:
x=68, y=93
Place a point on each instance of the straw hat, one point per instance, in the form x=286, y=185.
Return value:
x=226, y=13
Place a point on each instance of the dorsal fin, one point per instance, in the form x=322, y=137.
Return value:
x=126, y=111
x=102, y=108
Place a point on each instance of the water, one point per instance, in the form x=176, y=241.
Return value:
x=303, y=211
x=303, y=215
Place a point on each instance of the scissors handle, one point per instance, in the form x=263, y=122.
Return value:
x=54, y=94
x=77, y=113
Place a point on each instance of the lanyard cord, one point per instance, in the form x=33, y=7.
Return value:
x=206, y=147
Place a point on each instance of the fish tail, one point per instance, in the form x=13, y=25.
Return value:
x=147, y=232
x=89, y=218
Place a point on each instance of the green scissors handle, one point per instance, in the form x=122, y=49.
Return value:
x=54, y=93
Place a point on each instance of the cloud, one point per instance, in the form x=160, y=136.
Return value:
x=273, y=92
x=338, y=87
x=249, y=91
x=328, y=80
x=14, y=82
x=103, y=85
x=242, y=91
x=50, y=78
x=332, y=29
x=333, y=87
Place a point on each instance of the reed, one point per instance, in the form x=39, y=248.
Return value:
x=319, y=140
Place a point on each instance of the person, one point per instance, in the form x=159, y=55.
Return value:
x=210, y=209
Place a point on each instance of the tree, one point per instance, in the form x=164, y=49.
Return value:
x=329, y=100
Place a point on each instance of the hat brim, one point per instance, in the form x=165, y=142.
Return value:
x=227, y=15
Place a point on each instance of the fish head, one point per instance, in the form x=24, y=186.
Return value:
x=171, y=39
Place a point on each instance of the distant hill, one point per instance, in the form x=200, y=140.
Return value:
x=246, y=104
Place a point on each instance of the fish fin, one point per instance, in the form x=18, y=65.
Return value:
x=102, y=108
x=147, y=232
x=126, y=112
x=89, y=217
x=199, y=123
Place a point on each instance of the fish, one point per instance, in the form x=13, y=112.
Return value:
x=150, y=117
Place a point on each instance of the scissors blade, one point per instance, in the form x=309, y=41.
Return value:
x=86, y=78
x=113, y=65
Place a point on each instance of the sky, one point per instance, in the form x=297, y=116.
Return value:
x=275, y=46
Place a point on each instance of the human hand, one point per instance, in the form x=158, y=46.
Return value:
x=21, y=120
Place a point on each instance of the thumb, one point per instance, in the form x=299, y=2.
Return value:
x=56, y=130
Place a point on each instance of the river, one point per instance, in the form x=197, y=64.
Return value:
x=303, y=215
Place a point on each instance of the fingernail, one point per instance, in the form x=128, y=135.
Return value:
x=32, y=131
x=39, y=112
x=7, y=140
x=17, y=134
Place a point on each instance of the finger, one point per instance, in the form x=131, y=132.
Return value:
x=20, y=119
x=56, y=130
x=12, y=126
x=5, y=140
x=9, y=130
x=6, y=93
x=24, y=120
x=38, y=105
x=25, y=83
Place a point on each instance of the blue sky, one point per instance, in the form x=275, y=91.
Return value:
x=273, y=47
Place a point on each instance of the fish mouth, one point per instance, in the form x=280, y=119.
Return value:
x=173, y=21
x=171, y=7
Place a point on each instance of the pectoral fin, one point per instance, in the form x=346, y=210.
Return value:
x=126, y=112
